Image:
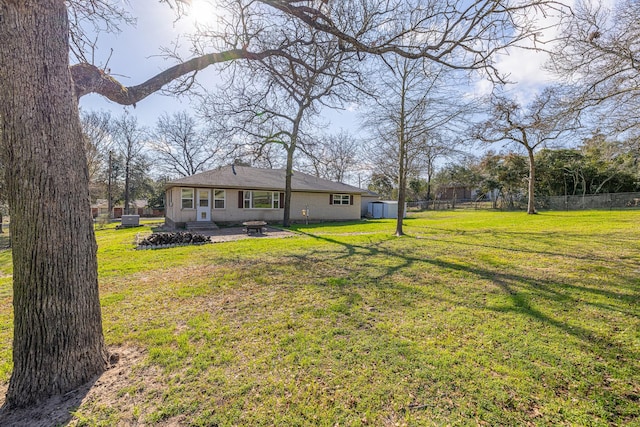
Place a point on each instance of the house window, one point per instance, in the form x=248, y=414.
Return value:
x=187, y=198
x=341, y=199
x=261, y=200
x=219, y=197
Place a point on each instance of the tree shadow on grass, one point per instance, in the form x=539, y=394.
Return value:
x=577, y=358
x=53, y=411
x=553, y=305
x=519, y=288
x=506, y=236
x=60, y=410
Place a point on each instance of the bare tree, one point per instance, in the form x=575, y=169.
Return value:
x=269, y=156
x=334, y=156
x=129, y=138
x=435, y=147
x=599, y=55
x=55, y=270
x=534, y=126
x=415, y=103
x=183, y=147
x=96, y=128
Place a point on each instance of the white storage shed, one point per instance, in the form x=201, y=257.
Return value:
x=385, y=209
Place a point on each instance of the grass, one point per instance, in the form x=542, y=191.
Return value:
x=472, y=318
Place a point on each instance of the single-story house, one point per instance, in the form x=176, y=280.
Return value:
x=234, y=194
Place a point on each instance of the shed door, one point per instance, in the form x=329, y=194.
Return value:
x=378, y=210
x=203, y=205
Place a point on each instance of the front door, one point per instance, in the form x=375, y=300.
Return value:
x=203, y=203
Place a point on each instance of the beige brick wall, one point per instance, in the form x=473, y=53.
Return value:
x=317, y=203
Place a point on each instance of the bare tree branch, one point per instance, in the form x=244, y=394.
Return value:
x=598, y=54
x=91, y=79
x=183, y=147
x=460, y=35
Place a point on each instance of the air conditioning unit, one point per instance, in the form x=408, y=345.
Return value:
x=130, y=220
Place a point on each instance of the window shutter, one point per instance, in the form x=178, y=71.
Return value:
x=240, y=199
x=330, y=199
x=351, y=199
x=281, y=200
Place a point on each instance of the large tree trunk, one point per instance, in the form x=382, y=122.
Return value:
x=127, y=185
x=531, y=204
x=402, y=157
x=286, y=221
x=402, y=186
x=291, y=149
x=58, y=342
x=430, y=172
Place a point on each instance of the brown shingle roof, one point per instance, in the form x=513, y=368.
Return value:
x=244, y=177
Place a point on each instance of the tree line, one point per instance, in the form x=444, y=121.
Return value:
x=596, y=166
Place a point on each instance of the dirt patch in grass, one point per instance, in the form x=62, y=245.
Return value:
x=103, y=390
x=230, y=234
x=237, y=233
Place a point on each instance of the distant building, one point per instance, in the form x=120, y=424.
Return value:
x=456, y=193
x=138, y=207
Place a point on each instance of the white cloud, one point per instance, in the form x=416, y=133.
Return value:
x=524, y=66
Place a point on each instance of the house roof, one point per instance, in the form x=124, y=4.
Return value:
x=245, y=177
x=369, y=193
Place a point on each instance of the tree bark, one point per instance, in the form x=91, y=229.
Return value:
x=58, y=342
x=402, y=186
x=531, y=204
x=127, y=184
x=402, y=156
x=291, y=149
x=286, y=220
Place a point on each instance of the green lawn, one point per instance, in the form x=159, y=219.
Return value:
x=472, y=318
